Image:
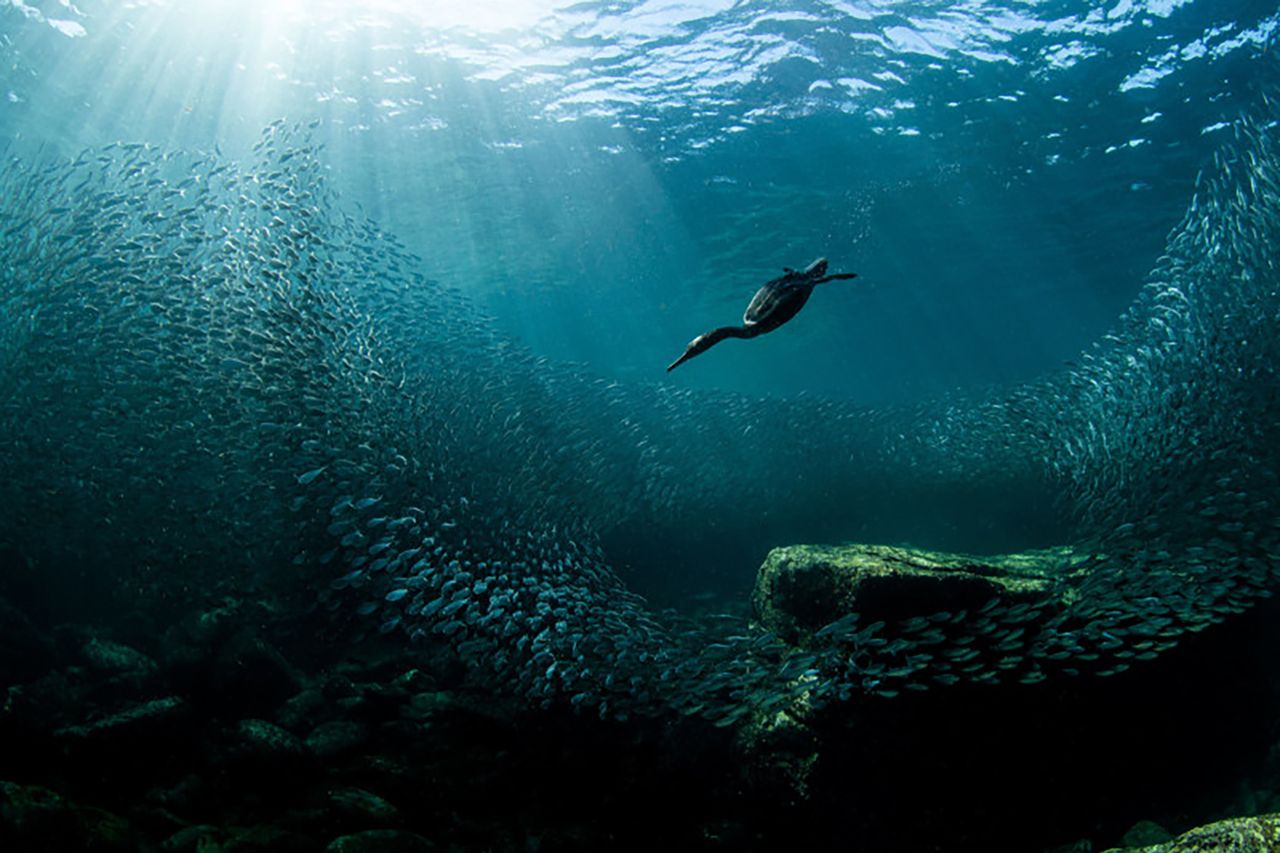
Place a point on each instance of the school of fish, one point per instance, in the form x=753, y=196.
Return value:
x=208, y=365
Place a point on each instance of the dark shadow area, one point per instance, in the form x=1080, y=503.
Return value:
x=233, y=727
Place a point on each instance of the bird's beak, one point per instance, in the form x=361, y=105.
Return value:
x=688, y=354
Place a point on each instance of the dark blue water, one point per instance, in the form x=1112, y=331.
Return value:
x=362, y=313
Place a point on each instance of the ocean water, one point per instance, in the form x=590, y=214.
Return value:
x=347, y=325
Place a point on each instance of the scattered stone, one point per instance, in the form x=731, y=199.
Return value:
x=716, y=834
x=154, y=821
x=304, y=711
x=801, y=588
x=190, y=646
x=338, y=687
x=381, y=841
x=206, y=838
x=382, y=701
x=270, y=839
x=145, y=720
x=116, y=658
x=196, y=838
x=414, y=681
x=336, y=738
x=181, y=796
x=261, y=739
x=40, y=706
x=361, y=804
x=21, y=804
x=34, y=818
x=372, y=706
x=388, y=769
x=428, y=704
x=216, y=625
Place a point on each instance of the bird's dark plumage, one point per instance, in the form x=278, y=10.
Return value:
x=774, y=304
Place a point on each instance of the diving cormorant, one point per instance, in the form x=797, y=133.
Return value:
x=774, y=304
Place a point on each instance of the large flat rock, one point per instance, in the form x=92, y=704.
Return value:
x=801, y=588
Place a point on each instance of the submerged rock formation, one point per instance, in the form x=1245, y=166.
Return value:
x=802, y=588
x=1260, y=834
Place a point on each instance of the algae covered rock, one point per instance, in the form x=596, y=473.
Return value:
x=381, y=841
x=35, y=818
x=337, y=737
x=138, y=722
x=263, y=741
x=206, y=838
x=116, y=658
x=359, y=804
x=1236, y=835
x=801, y=588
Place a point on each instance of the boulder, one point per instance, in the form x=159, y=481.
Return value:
x=236, y=839
x=364, y=806
x=265, y=743
x=429, y=704
x=801, y=588
x=42, y=705
x=304, y=711
x=1259, y=834
x=381, y=841
x=114, y=739
x=34, y=819
x=110, y=658
x=137, y=723
x=336, y=738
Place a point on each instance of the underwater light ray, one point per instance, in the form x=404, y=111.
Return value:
x=487, y=16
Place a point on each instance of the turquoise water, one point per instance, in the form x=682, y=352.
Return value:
x=555, y=205
x=607, y=181
x=366, y=311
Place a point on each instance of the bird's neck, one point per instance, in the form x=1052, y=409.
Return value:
x=736, y=332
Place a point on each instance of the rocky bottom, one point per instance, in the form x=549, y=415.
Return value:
x=241, y=727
